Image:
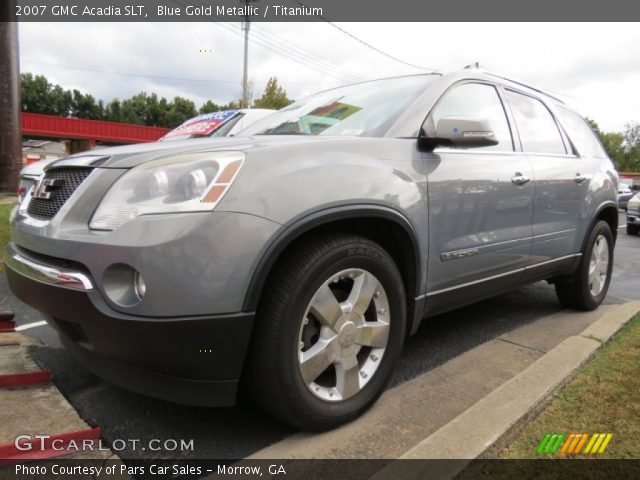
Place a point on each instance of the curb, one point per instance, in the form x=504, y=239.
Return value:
x=491, y=423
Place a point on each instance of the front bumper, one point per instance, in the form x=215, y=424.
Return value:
x=633, y=217
x=195, y=360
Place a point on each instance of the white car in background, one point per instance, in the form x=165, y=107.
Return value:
x=219, y=124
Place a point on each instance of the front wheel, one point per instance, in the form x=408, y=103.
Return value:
x=588, y=286
x=328, y=332
x=632, y=229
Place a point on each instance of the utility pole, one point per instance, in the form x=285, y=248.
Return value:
x=246, y=25
x=245, y=81
x=10, y=138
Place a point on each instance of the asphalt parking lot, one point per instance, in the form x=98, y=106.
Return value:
x=240, y=431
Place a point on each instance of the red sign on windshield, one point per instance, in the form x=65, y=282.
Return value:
x=202, y=124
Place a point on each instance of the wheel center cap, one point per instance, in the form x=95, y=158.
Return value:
x=347, y=334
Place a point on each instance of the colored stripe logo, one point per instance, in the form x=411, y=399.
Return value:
x=574, y=443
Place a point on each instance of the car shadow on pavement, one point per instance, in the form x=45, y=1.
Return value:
x=224, y=433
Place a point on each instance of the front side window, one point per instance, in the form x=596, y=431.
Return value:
x=475, y=100
x=538, y=130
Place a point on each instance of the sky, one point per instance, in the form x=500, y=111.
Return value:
x=593, y=67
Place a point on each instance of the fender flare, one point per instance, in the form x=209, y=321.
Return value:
x=598, y=211
x=306, y=222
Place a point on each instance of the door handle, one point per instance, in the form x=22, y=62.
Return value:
x=579, y=178
x=520, y=179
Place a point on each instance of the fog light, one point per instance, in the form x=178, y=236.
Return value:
x=139, y=285
x=123, y=285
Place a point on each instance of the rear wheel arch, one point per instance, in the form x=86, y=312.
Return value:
x=607, y=212
x=383, y=225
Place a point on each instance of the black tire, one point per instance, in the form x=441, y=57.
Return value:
x=575, y=292
x=632, y=229
x=273, y=377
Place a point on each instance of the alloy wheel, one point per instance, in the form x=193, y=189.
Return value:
x=343, y=335
x=599, y=265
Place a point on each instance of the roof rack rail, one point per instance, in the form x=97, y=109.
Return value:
x=476, y=66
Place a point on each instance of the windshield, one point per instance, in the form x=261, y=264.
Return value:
x=224, y=130
x=201, y=126
x=364, y=109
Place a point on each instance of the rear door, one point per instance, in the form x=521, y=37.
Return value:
x=480, y=203
x=561, y=181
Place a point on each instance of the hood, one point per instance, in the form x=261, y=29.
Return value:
x=128, y=156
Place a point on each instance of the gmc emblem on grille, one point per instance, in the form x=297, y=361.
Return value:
x=45, y=187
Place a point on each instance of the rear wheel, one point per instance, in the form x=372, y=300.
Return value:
x=328, y=332
x=588, y=286
x=632, y=229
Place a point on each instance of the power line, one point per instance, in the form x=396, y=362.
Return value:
x=151, y=76
x=276, y=38
x=306, y=57
x=270, y=45
x=368, y=45
x=375, y=49
x=292, y=56
x=300, y=56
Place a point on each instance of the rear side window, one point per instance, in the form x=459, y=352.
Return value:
x=476, y=100
x=538, y=130
x=581, y=134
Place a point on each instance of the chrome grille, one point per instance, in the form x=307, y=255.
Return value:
x=71, y=178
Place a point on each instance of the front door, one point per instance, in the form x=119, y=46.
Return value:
x=480, y=203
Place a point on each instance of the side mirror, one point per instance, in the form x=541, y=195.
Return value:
x=460, y=132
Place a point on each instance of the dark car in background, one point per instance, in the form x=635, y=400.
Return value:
x=624, y=195
x=633, y=215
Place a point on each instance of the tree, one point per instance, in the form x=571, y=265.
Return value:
x=632, y=135
x=180, y=110
x=113, y=111
x=274, y=96
x=40, y=96
x=232, y=105
x=85, y=106
x=632, y=148
x=209, y=107
x=613, y=143
x=622, y=148
x=134, y=109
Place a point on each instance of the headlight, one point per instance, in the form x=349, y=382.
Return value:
x=185, y=183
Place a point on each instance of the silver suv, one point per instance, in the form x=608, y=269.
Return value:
x=297, y=257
